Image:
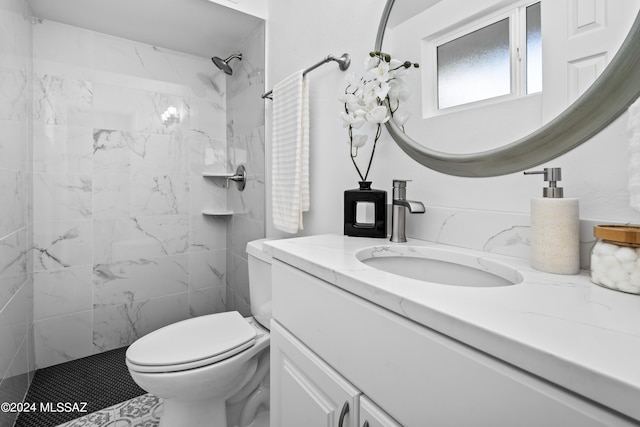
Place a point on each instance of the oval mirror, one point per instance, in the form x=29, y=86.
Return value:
x=480, y=138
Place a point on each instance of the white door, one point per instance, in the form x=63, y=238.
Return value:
x=305, y=391
x=579, y=39
x=371, y=415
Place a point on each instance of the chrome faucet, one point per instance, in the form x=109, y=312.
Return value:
x=398, y=210
x=240, y=177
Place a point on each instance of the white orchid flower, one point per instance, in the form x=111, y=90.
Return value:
x=352, y=102
x=383, y=90
x=394, y=63
x=378, y=115
x=400, y=73
x=358, y=141
x=359, y=112
x=370, y=86
x=348, y=98
x=398, y=68
x=403, y=93
x=401, y=117
x=352, y=120
x=371, y=62
x=369, y=94
x=380, y=73
x=370, y=102
x=353, y=81
x=398, y=91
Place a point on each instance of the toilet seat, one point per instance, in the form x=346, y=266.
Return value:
x=192, y=343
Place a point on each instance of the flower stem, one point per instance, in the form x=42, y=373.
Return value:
x=373, y=151
x=353, y=158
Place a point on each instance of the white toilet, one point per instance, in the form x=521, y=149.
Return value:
x=200, y=365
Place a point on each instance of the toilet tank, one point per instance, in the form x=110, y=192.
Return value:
x=259, y=282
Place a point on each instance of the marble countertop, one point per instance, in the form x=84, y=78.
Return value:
x=562, y=328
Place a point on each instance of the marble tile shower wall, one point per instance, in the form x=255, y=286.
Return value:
x=121, y=247
x=16, y=281
x=245, y=142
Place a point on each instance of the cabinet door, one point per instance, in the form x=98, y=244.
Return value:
x=305, y=391
x=372, y=416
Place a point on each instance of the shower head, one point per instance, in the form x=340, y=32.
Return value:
x=223, y=64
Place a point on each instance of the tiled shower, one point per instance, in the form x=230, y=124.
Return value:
x=102, y=233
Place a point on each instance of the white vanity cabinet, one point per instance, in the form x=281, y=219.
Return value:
x=305, y=391
x=330, y=347
x=372, y=416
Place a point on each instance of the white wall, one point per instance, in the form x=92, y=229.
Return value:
x=301, y=33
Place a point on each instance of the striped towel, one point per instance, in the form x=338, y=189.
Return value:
x=290, y=152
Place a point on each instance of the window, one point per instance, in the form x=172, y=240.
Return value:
x=475, y=66
x=491, y=60
x=534, y=49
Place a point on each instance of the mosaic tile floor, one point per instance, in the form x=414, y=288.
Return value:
x=142, y=411
x=95, y=382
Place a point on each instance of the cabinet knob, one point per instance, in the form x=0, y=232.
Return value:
x=343, y=413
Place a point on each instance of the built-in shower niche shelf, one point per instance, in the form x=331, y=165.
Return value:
x=217, y=174
x=217, y=212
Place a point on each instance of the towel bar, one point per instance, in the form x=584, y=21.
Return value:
x=343, y=62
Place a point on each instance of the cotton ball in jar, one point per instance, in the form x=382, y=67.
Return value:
x=625, y=254
x=628, y=287
x=604, y=280
x=604, y=249
x=630, y=267
x=615, y=258
x=610, y=262
x=623, y=285
x=635, y=278
x=617, y=274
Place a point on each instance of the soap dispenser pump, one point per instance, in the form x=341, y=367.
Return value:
x=555, y=228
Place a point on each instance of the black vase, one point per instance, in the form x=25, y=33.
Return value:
x=365, y=211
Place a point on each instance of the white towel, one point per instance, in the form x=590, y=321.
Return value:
x=290, y=152
x=633, y=125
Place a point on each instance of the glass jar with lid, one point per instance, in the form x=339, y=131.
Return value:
x=615, y=257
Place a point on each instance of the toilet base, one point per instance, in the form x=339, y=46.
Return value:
x=193, y=414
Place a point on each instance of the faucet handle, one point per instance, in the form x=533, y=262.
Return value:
x=400, y=182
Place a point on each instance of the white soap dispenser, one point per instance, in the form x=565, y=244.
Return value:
x=555, y=228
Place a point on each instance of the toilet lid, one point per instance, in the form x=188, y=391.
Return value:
x=192, y=340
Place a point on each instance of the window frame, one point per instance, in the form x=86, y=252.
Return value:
x=516, y=13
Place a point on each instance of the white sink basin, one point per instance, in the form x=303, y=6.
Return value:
x=436, y=265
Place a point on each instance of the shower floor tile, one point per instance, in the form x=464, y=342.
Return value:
x=92, y=383
x=142, y=411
